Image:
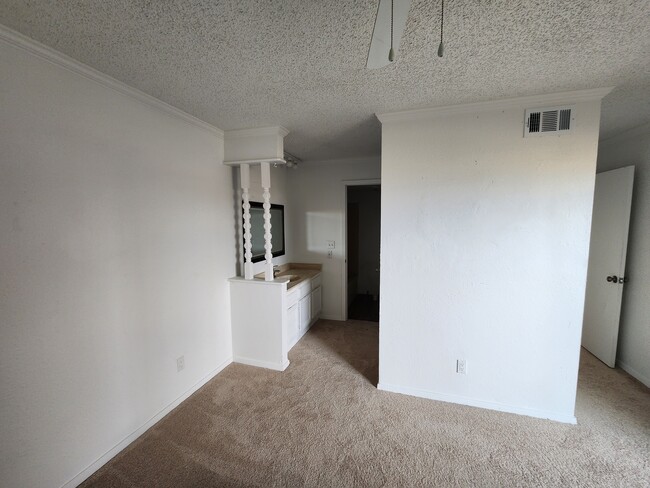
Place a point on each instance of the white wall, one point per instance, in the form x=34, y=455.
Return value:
x=633, y=147
x=485, y=238
x=116, y=243
x=317, y=196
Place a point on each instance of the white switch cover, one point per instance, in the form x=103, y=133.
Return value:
x=331, y=244
x=461, y=366
x=329, y=254
x=180, y=364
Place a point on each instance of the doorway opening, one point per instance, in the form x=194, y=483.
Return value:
x=362, y=252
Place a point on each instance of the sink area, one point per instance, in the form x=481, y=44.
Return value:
x=292, y=277
x=295, y=273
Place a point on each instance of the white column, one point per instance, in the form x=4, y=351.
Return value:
x=266, y=195
x=244, y=171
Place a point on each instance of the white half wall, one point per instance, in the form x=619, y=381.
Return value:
x=633, y=147
x=318, y=214
x=484, y=247
x=116, y=246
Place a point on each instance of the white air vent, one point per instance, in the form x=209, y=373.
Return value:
x=552, y=120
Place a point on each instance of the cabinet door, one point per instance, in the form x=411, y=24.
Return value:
x=315, y=303
x=293, y=323
x=305, y=312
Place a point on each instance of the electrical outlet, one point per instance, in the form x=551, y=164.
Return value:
x=331, y=244
x=461, y=366
x=180, y=364
x=329, y=254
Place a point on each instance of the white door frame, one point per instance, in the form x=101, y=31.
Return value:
x=346, y=184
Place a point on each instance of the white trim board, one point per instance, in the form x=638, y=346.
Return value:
x=458, y=399
x=261, y=364
x=552, y=99
x=634, y=373
x=21, y=41
x=356, y=160
x=252, y=162
x=124, y=443
x=337, y=318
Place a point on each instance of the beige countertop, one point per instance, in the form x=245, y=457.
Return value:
x=303, y=271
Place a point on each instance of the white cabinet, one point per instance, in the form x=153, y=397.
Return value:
x=303, y=308
x=293, y=323
x=305, y=313
x=270, y=317
x=315, y=303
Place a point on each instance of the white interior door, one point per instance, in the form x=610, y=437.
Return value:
x=607, y=252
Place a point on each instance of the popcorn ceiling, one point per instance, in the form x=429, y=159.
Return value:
x=301, y=63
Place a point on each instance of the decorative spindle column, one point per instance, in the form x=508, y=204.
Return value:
x=244, y=171
x=266, y=195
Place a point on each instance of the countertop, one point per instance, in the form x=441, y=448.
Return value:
x=305, y=271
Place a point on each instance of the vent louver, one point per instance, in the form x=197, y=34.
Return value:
x=552, y=120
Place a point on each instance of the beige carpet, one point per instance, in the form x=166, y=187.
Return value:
x=322, y=422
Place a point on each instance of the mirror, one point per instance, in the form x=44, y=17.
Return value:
x=257, y=230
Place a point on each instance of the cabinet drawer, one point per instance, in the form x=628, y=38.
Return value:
x=304, y=289
x=293, y=297
x=316, y=281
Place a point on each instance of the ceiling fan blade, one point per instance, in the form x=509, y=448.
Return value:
x=380, y=42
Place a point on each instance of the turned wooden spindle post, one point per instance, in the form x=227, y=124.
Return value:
x=244, y=171
x=266, y=195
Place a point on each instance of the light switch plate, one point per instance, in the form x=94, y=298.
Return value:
x=461, y=366
x=331, y=244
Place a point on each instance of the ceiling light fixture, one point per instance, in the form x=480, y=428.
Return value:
x=292, y=161
x=441, y=47
x=391, y=53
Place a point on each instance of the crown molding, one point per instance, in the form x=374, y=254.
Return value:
x=352, y=160
x=42, y=51
x=506, y=103
x=275, y=130
x=639, y=130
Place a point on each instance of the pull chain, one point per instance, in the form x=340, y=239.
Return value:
x=391, y=53
x=441, y=47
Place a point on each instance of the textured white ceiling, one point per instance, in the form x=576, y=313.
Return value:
x=301, y=63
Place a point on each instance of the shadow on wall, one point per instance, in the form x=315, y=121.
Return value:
x=321, y=227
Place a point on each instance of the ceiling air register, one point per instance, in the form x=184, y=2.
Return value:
x=552, y=120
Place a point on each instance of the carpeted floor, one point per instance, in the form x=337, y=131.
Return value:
x=322, y=422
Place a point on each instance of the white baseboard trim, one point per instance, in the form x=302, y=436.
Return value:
x=331, y=317
x=444, y=397
x=262, y=364
x=90, y=470
x=633, y=372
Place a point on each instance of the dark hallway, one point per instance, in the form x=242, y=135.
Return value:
x=363, y=239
